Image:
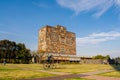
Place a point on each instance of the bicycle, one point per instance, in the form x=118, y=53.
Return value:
x=49, y=64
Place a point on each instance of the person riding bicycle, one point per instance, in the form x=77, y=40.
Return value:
x=49, y=62
x=49, y=58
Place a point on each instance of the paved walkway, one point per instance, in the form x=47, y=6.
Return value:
x=62, y=75
x=100, y=77
x=89, y=75
x=58, y=73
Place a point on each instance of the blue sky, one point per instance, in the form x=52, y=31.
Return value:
x=95, y=22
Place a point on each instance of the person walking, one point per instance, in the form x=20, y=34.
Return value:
x=4, y=62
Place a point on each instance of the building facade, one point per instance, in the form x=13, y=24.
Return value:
x=56, y=40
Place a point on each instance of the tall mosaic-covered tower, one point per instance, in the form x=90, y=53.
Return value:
x=56, y=40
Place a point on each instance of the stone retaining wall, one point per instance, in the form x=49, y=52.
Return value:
x=94, y=61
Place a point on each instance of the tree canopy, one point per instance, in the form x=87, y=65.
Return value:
x=13, y=52
x=101, y=57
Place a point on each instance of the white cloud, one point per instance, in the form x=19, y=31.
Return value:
x=96, y=38
x=100, y=6
x=41, y=5
x=7, y=33
x=117, y=2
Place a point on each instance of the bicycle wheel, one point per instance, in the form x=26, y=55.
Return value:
x=53, y=65
x=46, y=65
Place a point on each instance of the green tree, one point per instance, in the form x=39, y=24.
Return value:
x=6, y=51
x=23, y=53
x=11, y=51
x=99, y=57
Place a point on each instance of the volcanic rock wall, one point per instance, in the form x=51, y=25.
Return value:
x=56, y=40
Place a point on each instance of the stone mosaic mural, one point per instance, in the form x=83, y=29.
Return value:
x=56, y=40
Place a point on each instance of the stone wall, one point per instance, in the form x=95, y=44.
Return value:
x=94, y=61
x=56, y=40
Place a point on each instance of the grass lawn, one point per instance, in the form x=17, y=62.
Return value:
x=21, y=71
x=82, y=68
x=111, y=74
x=78, y=79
